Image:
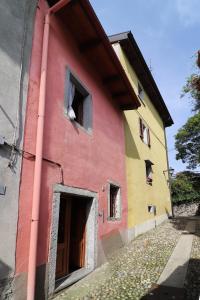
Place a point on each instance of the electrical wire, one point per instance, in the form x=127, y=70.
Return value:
x=12, y=158
x=32, y=156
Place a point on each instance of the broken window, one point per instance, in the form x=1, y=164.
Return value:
x=114, y=202
x=149, y=171
x=78, y=102
x=144, y=133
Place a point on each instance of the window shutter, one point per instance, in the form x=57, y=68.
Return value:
x=148, y=137
x=141, y=128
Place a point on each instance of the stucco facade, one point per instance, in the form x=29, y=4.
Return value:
x=76, y=161
x=16, y=22
x=141, y=194
x=87, y=163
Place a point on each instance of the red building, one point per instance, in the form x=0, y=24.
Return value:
x=73, y=198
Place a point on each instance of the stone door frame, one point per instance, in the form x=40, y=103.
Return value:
x=91, y=237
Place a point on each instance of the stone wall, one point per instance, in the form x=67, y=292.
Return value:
x=188, y=209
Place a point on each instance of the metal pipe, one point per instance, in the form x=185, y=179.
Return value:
x=38, y=167
x=32, y=262
x=169, y=177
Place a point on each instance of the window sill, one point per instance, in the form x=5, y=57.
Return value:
x=149, y=183
x=88, y=131
x=79, y=126
x=144, y=142
x=113, y=219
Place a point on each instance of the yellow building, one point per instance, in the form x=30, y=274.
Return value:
x=147, y=168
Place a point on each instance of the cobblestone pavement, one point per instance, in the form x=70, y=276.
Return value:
x=133, y=269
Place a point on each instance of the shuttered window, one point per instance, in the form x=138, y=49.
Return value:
x=148, y=138
x=141, y=128
x=144, y=132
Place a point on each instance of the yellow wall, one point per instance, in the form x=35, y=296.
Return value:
x=141, y=194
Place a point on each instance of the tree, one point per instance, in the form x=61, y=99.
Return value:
x=192, y=86
x=187, y=140
x=185, y=187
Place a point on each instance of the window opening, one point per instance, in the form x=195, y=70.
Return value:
x=79, y=102
x=152, y=209
x=149, y=171
x=78, y=106
x=114, y=202
x=144, y=133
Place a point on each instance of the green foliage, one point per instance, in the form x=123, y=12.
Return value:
x=187, y=142
x=192, y=87
x=186, y=187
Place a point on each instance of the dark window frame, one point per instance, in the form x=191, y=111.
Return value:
x=114, y=214
x=87, y=107
x=149, y=172
x=142, y=127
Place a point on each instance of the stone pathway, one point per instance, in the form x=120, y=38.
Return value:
x=175, y=270
x=172, y=280
x=134, y=272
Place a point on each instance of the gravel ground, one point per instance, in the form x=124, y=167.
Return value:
x=192, y=283
x=131, y=271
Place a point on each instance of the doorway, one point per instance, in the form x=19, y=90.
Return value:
x=73, y=237
x=71, y=243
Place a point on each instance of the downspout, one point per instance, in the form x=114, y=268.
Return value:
x=32, y=262
x=38, y=166
x=169, y=176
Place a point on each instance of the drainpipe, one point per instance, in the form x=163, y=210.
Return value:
x=169, y=176
x=32, y=262
x=38, y=167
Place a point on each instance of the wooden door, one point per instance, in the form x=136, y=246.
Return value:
x=71, y=236
x=62, y=259
x=78, y=234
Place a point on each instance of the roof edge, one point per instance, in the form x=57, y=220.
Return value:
x=128, y=36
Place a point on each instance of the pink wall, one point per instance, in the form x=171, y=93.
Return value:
x=88, y=160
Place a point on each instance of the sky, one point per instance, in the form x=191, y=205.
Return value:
x=168, y=35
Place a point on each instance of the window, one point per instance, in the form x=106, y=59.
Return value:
x=152, y=209
x=114, y=202
x=140, y=92
x=149, y=172
x=78, y=102
x=144, y=133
